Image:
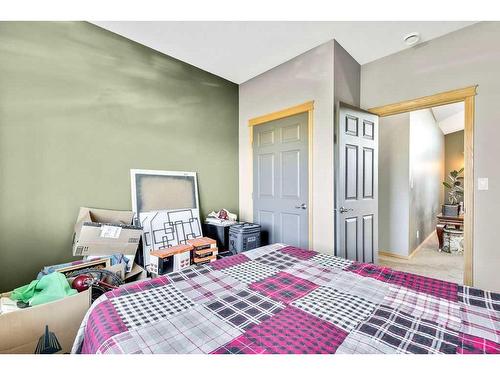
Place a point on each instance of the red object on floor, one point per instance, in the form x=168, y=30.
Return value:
x=81, y=282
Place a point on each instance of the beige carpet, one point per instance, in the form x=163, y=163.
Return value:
x=428, y=261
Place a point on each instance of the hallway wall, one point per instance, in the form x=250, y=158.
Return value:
x=426, y=175
x=393, y=186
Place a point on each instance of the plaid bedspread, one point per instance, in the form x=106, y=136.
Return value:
x=281, y=299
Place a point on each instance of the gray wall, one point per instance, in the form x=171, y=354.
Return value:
x=393, y=183
x=80, y=107
x=304, y=78
x=465, y=57
x=324, y=74
x=347, y=75
x=426, y=174
x=453, y=155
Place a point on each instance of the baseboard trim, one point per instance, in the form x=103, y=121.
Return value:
x=390, y=254
x=406, y=257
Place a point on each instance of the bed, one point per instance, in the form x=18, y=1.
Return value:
x=282, y=299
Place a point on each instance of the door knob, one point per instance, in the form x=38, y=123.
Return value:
x=303, y=206
x=343, y=210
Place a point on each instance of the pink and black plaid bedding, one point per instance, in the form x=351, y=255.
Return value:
x=280, y=299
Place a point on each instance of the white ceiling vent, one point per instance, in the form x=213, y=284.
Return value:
x=412, y=39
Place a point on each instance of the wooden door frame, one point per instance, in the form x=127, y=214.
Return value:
x=466, y=95
x=291, y=111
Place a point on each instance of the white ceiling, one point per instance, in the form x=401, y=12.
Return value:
x=450, y=117
x=444, y=111
x=239, y=51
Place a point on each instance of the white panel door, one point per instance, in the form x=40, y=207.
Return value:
x=280, y=180
x=356, y=187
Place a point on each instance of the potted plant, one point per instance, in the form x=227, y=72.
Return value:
x=455, y=193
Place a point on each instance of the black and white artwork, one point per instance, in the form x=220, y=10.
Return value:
x=166, y=206
x=167, y=228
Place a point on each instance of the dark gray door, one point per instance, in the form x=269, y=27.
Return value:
x=280, y=180
x=356, y=187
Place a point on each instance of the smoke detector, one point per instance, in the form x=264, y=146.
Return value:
x=411, y=39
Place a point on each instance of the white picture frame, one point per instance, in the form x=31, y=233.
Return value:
x=139, y=208
x=151, y=172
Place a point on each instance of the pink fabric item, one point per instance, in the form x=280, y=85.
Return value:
x=437, y=288
x=103, y=323
x=298, y=253
x=138, y=287
x=476, y=345
x=283, y=287
x=291, y=331
x=229, y=261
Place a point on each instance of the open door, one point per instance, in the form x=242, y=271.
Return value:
x=356, y=184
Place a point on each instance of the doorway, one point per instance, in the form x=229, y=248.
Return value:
x=421, y=165
x=467, y=96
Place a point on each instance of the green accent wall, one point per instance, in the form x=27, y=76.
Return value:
x=81, y=106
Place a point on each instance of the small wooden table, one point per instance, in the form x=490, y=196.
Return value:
x=442, y=221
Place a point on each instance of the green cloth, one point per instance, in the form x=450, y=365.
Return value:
x=49, y=288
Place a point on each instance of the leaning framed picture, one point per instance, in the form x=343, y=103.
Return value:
x=166, y=205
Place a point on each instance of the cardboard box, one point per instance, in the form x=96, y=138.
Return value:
x=95, y=263
x=137, y=273
x=105, y=232
x=204, y=250
x=205, y=255
x=44, y=329
x=202, y=243
x=172, y=259
x=206, y=259
x=118, y=269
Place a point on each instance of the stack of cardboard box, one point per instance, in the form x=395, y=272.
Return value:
x=97, y=233
x=100, y=232
x=171, y=259
x=196, y=251
x=204, y=250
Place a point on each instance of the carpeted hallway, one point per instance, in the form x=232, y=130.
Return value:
x=428, y=261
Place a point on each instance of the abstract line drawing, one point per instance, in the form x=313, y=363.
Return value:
x=167, y=228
